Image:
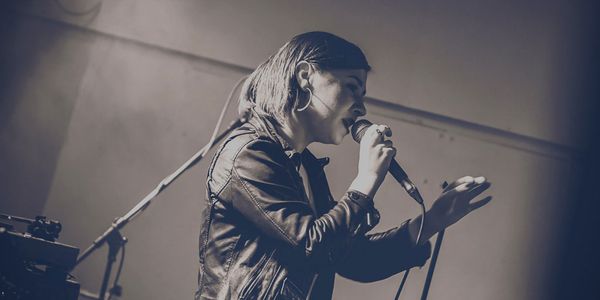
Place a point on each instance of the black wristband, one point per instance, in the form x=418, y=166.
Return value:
x=361, y=199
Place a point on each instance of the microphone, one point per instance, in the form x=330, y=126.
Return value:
x=358, y=130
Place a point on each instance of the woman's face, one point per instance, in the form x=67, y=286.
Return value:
x=337, y=101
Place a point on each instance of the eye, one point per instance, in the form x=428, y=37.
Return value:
x=353, y=87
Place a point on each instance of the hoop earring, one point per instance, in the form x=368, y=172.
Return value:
x=307, y=104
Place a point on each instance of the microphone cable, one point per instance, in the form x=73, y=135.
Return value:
x=422, y=203
x=202, y=152
x=358, y=130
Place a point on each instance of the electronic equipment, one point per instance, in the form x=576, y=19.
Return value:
x=33, y=265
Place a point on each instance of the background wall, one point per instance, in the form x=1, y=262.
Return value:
x=101, y=100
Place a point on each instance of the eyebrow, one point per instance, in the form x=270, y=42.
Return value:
x=357, y=79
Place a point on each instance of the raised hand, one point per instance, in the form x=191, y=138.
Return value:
x=455, y=202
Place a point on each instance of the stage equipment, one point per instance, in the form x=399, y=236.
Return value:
x=33, y=265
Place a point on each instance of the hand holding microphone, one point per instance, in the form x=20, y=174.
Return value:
x=376, y=152
x=377, y=156
x=456, y=201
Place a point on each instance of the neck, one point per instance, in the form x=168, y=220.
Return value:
x=294, y=134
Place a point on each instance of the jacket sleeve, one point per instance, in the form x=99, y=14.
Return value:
x=378, y=256
x=262, y=188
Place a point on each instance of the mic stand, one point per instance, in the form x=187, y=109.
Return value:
x=434, y=256
x=113, y=236
x=115, y=241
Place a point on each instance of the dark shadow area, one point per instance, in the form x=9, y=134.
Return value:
x=41, y=67
x=578, y=271
x=8, y=33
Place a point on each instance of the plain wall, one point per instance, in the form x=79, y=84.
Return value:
x=98, y=108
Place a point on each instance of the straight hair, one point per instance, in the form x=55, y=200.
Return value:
x=272, y=90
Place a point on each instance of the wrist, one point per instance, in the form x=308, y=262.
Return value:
x=413, y=230
x=367, y=184
x=430, y=228
x=432, y=222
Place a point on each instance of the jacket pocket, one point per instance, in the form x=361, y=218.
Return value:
x=290, y=291
x=248, y=290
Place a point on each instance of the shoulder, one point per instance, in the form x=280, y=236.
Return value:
x=247, y=150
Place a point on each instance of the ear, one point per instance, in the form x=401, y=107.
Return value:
x=303, y=72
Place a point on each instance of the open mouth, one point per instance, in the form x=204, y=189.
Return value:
x=348, y=123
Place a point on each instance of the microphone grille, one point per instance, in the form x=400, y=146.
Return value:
x=358, y=129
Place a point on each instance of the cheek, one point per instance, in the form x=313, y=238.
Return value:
x=338, y=107
x=333, y=98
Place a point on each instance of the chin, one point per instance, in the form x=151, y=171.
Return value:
x=332, y=140
x=335, y=138
x=338, y=139
x=338, y=142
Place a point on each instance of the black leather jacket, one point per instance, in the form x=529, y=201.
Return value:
x=263, y=238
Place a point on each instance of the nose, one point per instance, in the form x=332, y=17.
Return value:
x=359, y=109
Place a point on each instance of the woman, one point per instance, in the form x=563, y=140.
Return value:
x=271, y=228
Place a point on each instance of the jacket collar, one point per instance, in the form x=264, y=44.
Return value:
x=314, y=166
x=306, y=157
x=267, y=126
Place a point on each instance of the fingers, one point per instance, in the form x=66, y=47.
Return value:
x=376, y=152
x=462, y=180
x=385, y=130
x=477, y=204
x=387, y=147
x=377, y=133
x=387, y=143
x=391, y=151
x=470, y=188
x=476, y=190
x=469, y=180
